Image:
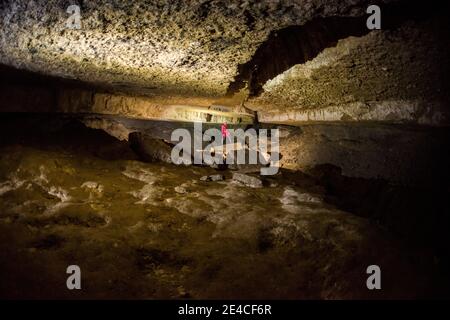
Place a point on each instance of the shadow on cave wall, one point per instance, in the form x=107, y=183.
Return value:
x=418, y=215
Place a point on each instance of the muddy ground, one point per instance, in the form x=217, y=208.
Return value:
x=76, y=196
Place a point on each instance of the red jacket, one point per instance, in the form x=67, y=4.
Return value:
x=224, y=130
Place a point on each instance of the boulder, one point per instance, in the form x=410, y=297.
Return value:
x=180, y=189
x=249, y=181
x=214, y=177
x=149, y=149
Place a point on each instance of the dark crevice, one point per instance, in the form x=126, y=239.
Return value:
x=293, y=45
x=249, y=19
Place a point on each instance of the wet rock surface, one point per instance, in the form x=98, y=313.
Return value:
x=146, y=230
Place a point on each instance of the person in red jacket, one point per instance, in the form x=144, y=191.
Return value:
x=225, y=133
x=225, y=136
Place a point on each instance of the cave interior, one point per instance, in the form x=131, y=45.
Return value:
x=89, y=104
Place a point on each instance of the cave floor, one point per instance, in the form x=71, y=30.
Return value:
x=152, y=231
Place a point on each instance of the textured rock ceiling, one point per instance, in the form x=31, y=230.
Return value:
x=305, y=60
x=182, y=47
